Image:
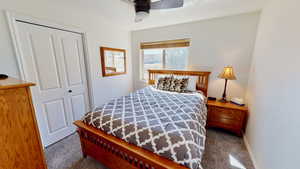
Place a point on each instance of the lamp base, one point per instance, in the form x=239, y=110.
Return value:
x=223, y=100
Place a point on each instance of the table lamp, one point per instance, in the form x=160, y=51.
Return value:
x=227, y=74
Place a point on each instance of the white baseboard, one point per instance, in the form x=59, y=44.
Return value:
x=250, y=152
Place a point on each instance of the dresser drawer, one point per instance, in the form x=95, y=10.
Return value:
x=221, y=113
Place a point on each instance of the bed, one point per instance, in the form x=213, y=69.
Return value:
x=150, y=128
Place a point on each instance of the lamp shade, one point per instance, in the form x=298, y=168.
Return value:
x=227, y=73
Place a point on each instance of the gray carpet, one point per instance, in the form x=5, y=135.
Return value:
x=223, y=151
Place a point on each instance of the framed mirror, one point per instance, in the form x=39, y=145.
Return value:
x=113, y=61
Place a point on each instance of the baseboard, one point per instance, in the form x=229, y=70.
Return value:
x=250, y=152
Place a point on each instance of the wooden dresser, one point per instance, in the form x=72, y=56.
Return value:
x=227, y=116
x=20, y=143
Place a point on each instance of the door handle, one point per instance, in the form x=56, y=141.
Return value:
x=70, y=91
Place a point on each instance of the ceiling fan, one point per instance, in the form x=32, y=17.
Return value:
x=143, y=7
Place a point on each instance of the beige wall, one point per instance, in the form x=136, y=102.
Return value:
x=90, y=16
x=215, y=43
x=274, y=88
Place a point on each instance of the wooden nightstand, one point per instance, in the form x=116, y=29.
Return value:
x=227, y=116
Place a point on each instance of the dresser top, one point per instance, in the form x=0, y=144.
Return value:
x=226, y=105
x=13, y=83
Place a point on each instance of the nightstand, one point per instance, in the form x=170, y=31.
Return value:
x=227, y=116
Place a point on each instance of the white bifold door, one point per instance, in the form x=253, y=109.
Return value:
x=54, y=60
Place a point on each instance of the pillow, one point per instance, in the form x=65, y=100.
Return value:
x=160, y=83
x=192, y=82
x=175, y=82
x=172, y=84
x=164, y=83
x=159, y=76
x=184, y=83
x=179, y=85
x=167, y=83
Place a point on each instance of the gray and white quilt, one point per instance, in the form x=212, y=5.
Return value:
x=169, y=124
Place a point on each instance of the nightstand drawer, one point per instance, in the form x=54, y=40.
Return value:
x=221, y=113
x=226, y=123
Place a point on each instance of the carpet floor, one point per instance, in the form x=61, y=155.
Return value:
x=223, y=151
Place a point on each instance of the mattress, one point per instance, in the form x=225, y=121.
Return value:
x=169, y=124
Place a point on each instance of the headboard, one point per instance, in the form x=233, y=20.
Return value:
x=202, y=83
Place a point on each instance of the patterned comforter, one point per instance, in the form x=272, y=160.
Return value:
x=169, y=124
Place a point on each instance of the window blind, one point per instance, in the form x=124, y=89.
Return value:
x=166, y=44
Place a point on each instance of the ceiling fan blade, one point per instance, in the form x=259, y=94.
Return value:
x=167, y=4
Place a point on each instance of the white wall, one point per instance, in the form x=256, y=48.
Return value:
x=92, y=16
x=273, y=129
x=215, y=43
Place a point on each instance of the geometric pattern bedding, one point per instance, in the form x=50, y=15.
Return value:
x=169, y=124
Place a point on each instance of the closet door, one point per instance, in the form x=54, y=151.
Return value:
x=71, y=47
x=54, y=60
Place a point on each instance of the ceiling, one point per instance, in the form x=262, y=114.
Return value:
x=197, y=10
x=122, y=13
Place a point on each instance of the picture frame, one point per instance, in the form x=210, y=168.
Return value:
x=113, y=61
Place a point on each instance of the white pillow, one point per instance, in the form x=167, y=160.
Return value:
x=192, y=82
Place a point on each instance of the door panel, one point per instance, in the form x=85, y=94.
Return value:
x=78, y=106
x=56, y=115
x=54, y=60
x=71, y=55
x=45, y=60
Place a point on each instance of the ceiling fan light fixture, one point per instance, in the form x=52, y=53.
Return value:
x=141, y=15
x=142, y=9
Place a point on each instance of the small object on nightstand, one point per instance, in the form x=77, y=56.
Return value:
x=3, y=76
x=212, y=98
x=227, y=116
x=238, y=101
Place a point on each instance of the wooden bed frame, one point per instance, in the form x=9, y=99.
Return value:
x=115, y=153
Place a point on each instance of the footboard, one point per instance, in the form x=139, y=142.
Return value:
x=118, y=154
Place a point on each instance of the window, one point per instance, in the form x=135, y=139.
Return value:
x=164, y=55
